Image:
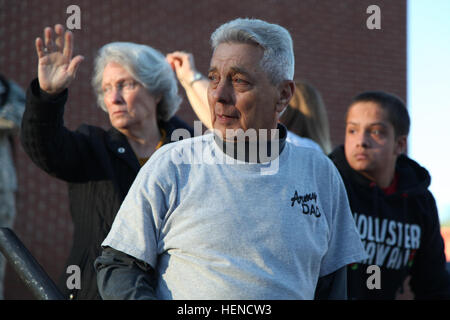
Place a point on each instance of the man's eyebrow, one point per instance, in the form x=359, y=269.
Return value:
x=238, y=70
x=212, y=69
x=234, y=70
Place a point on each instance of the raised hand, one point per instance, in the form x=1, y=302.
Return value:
x=183, y=65
x=56, y=67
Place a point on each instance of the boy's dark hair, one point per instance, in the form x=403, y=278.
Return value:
x=395, y=108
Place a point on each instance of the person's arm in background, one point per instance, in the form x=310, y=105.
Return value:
x=12, y=110
x=193, y=82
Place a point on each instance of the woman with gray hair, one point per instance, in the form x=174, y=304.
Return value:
x=137, y=88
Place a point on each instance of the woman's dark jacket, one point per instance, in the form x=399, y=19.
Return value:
x=99, y=167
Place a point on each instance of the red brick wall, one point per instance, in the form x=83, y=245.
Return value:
x=334, y=51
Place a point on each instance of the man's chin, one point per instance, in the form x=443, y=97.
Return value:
x=225, y=133
x=237, y=134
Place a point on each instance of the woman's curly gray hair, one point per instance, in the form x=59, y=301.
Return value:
x=148, y=66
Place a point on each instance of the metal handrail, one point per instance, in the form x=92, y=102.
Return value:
x=26, y=266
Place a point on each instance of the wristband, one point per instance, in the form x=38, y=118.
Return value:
x=197, y=76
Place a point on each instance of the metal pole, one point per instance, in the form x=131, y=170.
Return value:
x=28, y=269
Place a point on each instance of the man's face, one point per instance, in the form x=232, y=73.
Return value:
x=240, y=94
x=128, y=103
x=371, y=147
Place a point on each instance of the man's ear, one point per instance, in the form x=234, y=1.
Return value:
x=286, y=89
x=400, y=144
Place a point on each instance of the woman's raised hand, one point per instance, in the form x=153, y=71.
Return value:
x=56, y=67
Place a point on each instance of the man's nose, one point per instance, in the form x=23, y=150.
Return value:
x=223, y=92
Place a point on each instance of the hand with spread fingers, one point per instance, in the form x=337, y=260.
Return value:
x=56, y=68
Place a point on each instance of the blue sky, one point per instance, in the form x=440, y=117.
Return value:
x=428, y=87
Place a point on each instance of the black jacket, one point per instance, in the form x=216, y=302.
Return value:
x=99, y=167
x=400, y=232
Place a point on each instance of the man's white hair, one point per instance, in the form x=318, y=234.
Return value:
x=148, y=66
x=278, y=60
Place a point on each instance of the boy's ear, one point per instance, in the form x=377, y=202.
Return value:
x=401, y=144
x=286, y=88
